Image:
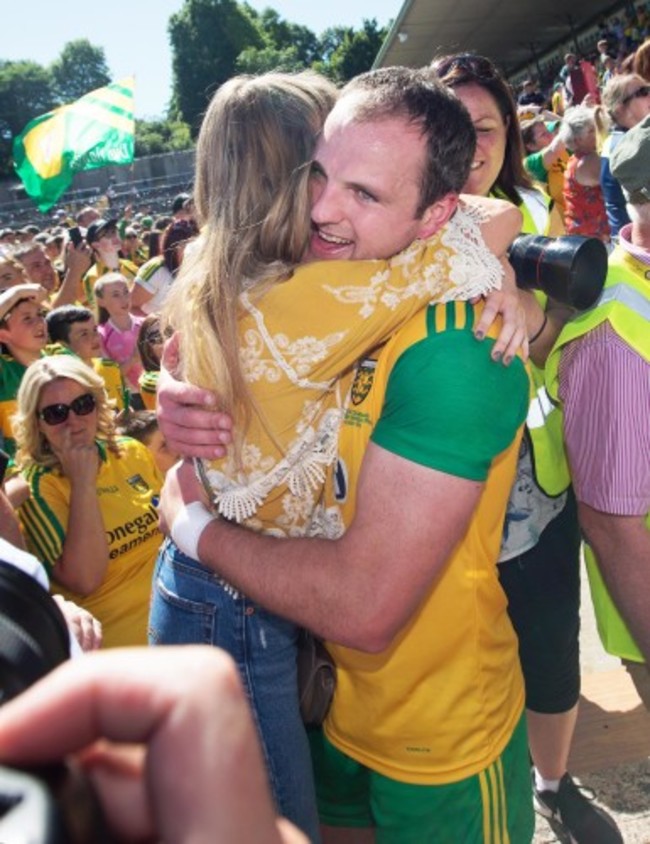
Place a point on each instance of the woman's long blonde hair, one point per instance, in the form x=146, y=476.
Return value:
x=33, y=447
x=252, y=205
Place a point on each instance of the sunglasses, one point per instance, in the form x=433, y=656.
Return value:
x=643, y=91
x=469, y=63
x=56, y=414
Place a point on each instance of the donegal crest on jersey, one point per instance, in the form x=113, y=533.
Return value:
x=362, y=380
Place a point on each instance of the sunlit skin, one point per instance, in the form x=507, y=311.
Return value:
x=87, y=216
x=84, y=340
x=24, y=331
x=585, y=143
x=38, y=268
x=491, y=137
x=10, y=275
x=81, y=430
x=115, y=297
x=163, y=457
x=364, y=196
x=542, y=137
x=108, y=246
x=637, y=108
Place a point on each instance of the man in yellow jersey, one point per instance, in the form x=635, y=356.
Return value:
x=425, y=739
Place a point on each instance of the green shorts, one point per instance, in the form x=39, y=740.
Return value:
x=492, y=807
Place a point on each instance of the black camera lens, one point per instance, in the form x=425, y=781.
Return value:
x=34, y=637
x=571, y=269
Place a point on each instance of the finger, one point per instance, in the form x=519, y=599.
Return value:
x=489, y=314
x=174, y=397
x=503, y=341
x=109, y=694
x=90, y=632
x=171, y=353
x=209, y=452
x=117, y=775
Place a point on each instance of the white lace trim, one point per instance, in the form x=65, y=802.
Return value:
x=278, y=357
x=302, y=470
x=472, y=270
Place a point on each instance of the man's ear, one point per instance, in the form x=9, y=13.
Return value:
x=437, y=214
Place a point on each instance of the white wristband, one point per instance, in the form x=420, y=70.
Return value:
x=188, y=527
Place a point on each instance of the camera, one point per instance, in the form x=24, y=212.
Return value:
x=571, y=269
x=52, y=804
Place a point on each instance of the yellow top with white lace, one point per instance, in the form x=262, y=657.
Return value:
x=299, y=342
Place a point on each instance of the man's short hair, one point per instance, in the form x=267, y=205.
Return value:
x=418, y=96
x=60, y=320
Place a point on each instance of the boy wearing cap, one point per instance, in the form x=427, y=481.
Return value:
x=23, y=335
x=600, y=370
x=103, y=238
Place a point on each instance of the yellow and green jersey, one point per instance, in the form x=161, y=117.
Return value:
x=441, y=703
x=128, y=487
x=11, y=374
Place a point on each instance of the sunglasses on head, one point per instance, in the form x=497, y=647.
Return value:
x=477, y=66
x=56, y=414
x=643, y=91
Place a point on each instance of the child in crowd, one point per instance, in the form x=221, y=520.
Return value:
x=150, y=346
x=142, y=425
x=11, y=271
x=23, y=335
x=118, y=327
x=73, y=330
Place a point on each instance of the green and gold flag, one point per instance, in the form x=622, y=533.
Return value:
x=91, y=132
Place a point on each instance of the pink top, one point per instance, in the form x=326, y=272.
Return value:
x=120, y=345
x=605, y=388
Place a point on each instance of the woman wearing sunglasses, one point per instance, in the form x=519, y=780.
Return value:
x=91, y=515
x=626, y=102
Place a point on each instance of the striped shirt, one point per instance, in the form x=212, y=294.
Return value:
x=604, y=386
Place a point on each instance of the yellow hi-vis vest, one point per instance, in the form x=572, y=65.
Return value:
x=625, y=304
x=544, y=421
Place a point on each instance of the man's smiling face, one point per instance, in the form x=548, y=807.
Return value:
x=366, y=181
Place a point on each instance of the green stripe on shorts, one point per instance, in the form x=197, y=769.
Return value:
x=492, y=807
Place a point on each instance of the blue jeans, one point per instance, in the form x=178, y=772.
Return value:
x=193, y=605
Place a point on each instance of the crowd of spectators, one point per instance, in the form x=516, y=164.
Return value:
x=81, y=344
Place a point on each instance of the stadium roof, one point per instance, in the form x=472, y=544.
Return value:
x=511, y=32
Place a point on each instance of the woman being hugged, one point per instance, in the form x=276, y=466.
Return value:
x=277, y=341
x=91, y=516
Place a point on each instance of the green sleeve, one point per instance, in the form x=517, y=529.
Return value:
x=449, y=406
x=44, y=517
x=535, y=165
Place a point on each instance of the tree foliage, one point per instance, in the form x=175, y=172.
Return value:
x=348, y=52
x=26, y=91
x=80, y=68
x=206, y=37
x=254, y=60
x=213, y=40
x=282, y=35
x=155, y=136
